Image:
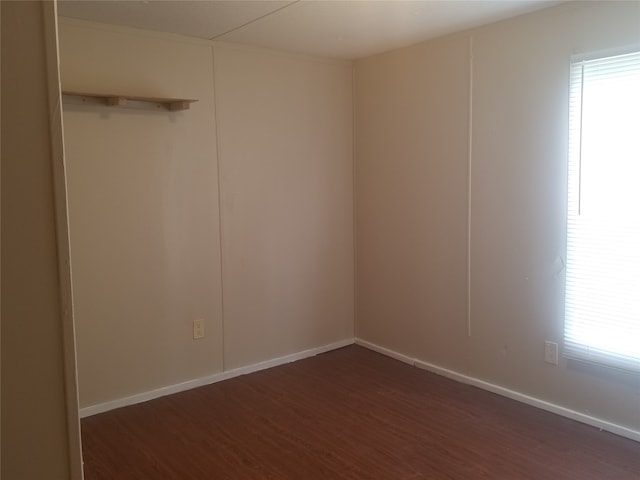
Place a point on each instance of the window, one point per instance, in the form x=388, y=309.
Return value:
x=602, y=309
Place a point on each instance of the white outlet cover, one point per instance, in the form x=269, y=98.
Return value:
x=551, y=352
x=198, y=329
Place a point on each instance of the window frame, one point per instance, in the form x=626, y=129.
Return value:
x=572, y=348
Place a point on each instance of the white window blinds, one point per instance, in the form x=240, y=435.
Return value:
x=602, y=306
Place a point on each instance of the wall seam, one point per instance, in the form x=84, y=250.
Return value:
x=355, y=198
x=469, y=172
x=220, y=209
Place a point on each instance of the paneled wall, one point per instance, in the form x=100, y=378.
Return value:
x=465, y=131
x=240, y=210
x=269, y=269
x=286, y=175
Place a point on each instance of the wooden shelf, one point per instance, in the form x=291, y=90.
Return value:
x=127, y=101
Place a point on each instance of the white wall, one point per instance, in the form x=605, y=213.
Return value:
x=287, y=196
x=412, y=143
x=411, y=109
x=143, y=213
x=146, y=223
x=146, y=226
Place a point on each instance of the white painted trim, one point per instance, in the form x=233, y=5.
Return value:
x=385, y=351
x=63, y=247
x=217, y=377
x=505, y=392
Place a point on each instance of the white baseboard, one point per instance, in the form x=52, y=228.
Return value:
x=385, y=351
x=199, y=382
x=505, y=392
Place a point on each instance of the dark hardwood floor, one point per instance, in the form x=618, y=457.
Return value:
x=347, y=414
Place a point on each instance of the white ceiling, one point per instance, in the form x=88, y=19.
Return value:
x=345, y=29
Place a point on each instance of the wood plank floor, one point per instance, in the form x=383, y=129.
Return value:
x=347, y=414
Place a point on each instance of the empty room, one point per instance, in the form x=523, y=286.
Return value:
x=320, y=239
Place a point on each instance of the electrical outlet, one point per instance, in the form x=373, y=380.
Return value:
x=198, y=329
x=551, y=352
